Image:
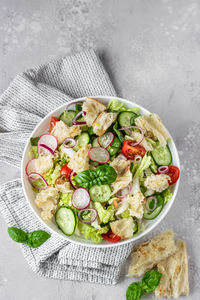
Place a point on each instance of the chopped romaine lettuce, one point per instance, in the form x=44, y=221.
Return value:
x=145, y=163
x=118, y=106
x=166, y=194
x=105, y=214
x=53, y=174
x=126, y=214
x=33, y=152
x=66, y=199
x=92, y=233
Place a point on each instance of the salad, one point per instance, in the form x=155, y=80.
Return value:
x=102, y=171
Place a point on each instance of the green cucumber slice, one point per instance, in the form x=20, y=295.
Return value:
x=162, y=156
x=100, y=193
x=127, y=118
x=95, y=143
x=67, y=117
x=135, y=227
x=150, y=215
x=66, y=220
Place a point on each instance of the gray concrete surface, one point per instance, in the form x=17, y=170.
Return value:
x=151, y=49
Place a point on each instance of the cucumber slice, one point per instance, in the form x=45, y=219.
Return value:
x=127, y=118
x=100, y=193
x=65, y=219
x=135, y=227
x=67, y=117
x=153, y=166
x=150, y=215
x=95, y=143
x=162, y=156
x=83, y=139
x=114, y=147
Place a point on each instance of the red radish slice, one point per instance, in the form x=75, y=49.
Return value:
x=70, y=104
x=48, y=140
x=81, y=113
x=43, y=149
x=67, y=141
x=80, y=198
x=30, y=167
x=106, y=139
x=35, y=176
x=99, y=155
x=71, y=179
x=93, y=215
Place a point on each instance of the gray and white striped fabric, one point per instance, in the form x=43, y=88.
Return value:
x=31, y=96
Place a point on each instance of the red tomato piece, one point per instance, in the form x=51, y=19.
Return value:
x=174, y=174
x=65, y=170
x=111, y=237
x=53, y=122
x=130, y=151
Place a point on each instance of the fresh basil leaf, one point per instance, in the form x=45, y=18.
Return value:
x=104, y=174
x=118, y=132
x=134, y=291
x=34, y=141
x=17, y=234
x=151, y=280
x=37, y=238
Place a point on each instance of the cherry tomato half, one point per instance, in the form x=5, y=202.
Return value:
x=53, y=122
x=174, y=174
x=111, y=237
x=65, y=170
x=130, y=151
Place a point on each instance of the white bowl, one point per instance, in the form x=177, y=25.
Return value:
x=41, y=128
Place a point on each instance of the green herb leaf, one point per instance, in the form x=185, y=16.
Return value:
x=104, y=174
x=37, y=238
x=17, y=234
x=134, y=291
x=90, y=130
x=118, y=132
x=151, y=280
x=34, y=141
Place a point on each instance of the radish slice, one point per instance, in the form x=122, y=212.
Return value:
x=106, y=139
x=43, y=149
x=80, y=198
x=99, y=155
x=30, y=167
x=33, y=176
x=48, y=140
x=92, y=218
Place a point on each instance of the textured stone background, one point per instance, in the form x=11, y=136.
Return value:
x=151, y=49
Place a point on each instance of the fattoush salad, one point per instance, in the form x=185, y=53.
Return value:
x=101, y=171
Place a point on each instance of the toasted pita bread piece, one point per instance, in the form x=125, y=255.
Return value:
x=80, y=160
x=148, y=254
x=93, y=108
x=153, y=127
x=174, y=269
x=103, y=122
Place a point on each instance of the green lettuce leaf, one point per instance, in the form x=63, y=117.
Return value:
x=145, y=163
x=166, y=194
x=66, y=199
x=52, y=174
x=105, y=214
x=118, y=106
x=33, y=152
x=92, y=233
